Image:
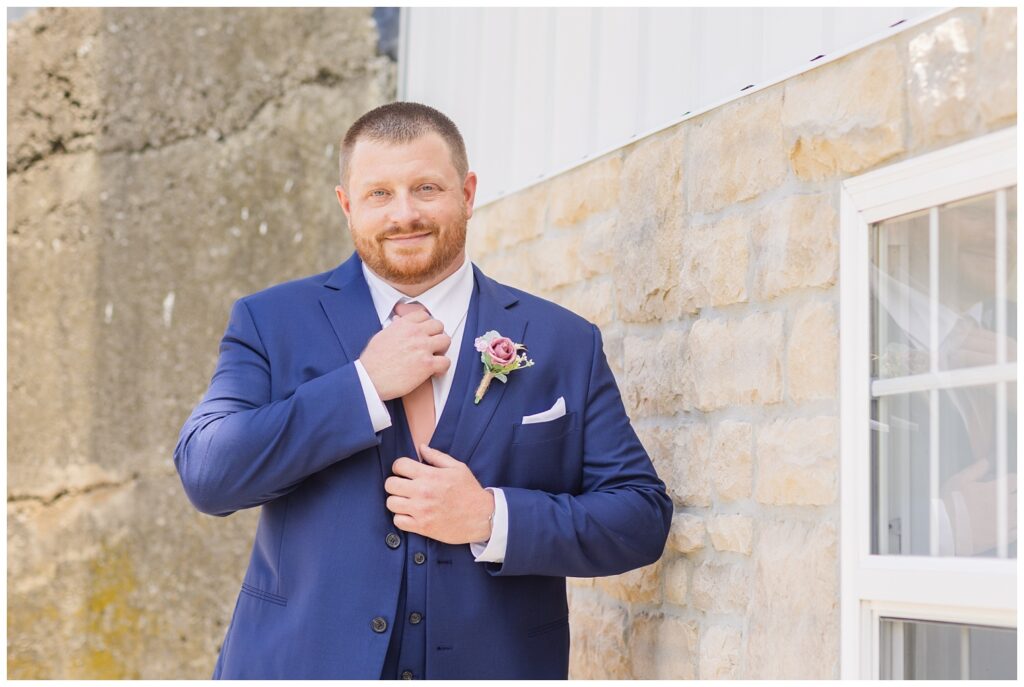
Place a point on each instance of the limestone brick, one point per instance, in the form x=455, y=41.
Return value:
x=656, y=381
x=812, y=356
x=731, y=467
x=796, y=244
x=797, y=461
x=677, y=576
x=687, y=479
x=997, y=66
x=720, y=652
x=509, y=221
x=731, y=533
x=662, y=647
x=584, y=191
x=594, y=301
x=640, y=585
x=599, y=246
x=941, y=84
x=686, y=534
x=720, y=587
x=714, y=263
x=793, y=615
x=553, y=262
x=598, y=647
x=737, y=152
x=649, y=229
x=847, y=116
x=735, y=362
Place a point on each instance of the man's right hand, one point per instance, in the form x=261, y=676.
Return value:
x=409, y=350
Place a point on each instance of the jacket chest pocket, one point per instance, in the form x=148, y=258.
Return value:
x=542, y=454
x=543, y=432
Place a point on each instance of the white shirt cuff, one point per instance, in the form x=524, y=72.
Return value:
x=379, y=415
x=493, y=550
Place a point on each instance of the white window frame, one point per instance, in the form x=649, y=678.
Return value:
x=964, y=590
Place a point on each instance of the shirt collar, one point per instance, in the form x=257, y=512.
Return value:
x=447, y=301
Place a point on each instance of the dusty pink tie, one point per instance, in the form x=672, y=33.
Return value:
x=418, y=403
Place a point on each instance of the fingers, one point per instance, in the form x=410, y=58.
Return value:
x=439, y=343
x=436, y=457
x=423, y=320
x=415, y=317
x=432, y=326
x=406, y=523
x=440, y=365
x=398, y=486
x=407, y=467
x=399, y=505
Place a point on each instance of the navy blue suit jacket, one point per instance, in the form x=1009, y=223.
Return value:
x=284, y=425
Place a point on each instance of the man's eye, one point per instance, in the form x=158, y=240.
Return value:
x=378, y=193
x=428, y=187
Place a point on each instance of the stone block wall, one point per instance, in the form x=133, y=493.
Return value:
x=708, y=255
x=161, y=163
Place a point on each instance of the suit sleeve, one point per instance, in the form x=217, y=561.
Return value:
x=239, y=449
x=620, y=519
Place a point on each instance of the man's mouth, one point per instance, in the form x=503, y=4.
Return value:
x=408, y=237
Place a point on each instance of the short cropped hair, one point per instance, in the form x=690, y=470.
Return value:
x=402, y=122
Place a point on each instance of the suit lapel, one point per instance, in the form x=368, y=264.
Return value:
x=494, y=311
x=349, y=308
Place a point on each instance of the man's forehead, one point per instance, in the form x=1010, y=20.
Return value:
x=371, y=158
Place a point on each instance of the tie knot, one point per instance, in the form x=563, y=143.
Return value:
x=403, y=309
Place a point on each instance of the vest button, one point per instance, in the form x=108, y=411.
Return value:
x=415, y=618
x=393, y=540
x=379, y=624
x=406, y=674
x=419, y=557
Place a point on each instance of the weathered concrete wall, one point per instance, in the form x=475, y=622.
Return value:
x=161, y=163
x=708, y=254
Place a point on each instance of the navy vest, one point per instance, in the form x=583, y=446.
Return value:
x=407, y=649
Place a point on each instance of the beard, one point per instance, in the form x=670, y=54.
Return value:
x=412, y=264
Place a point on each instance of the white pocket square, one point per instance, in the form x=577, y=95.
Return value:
x=553, y=413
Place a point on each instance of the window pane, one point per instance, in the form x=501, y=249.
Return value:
x=900, y=293
x=967, y=282
x=966, y=504
x=921, y=650
x=966, y=296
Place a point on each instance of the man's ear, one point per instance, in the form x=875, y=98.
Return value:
x=469, y=192
x=343, y=200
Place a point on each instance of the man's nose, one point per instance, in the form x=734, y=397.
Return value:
x=404, y=210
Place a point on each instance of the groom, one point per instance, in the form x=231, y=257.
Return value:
x=419, y=513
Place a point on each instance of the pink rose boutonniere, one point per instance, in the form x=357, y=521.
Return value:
x=500, y=355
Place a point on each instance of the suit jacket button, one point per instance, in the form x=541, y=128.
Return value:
x=379, y=624
x=393, y=540
x=406, y=674
x=415, y=618
x=419, y=557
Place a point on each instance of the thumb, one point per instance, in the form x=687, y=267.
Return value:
x=434, y=457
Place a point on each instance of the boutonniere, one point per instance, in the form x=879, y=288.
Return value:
x=500, y=355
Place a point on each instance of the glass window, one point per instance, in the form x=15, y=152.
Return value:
x=923, y=650
x=943, y=415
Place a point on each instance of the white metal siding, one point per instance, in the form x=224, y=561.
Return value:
x=536, y=91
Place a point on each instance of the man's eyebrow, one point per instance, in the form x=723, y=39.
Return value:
x=435, y=178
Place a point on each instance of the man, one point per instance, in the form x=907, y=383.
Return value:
x=414, y=523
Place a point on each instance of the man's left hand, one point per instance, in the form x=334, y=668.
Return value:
x=439, y=498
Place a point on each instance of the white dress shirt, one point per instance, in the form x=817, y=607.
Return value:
x=447, y=301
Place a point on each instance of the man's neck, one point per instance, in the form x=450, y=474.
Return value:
x=413, y=290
